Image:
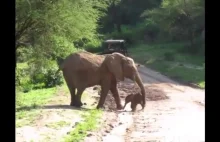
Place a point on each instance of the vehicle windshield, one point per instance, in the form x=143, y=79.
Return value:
x=112, y=45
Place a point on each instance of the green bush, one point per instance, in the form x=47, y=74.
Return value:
x=93, y=46
x=148, y=31
x=126, y=34
x=23, y=80
x=197, y=48
x=51, y=79
x=35, y=77
x=27, y=87
x=92, y=49
x=62, y=47
x=169, y=56
x=45, y=76
x=142, y=32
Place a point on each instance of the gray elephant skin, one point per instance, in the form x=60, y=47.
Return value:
x=84, y=69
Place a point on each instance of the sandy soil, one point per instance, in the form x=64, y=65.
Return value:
x=173, y=113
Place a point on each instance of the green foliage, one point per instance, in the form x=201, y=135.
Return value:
x=169, y=56
x=127, y=35
x=70, y=19
x=131, y=34
x=124, y=13
x=80, y=131
x=35, y=76
x=31, y=100
x=34, y=97
x=58, y=125
x=183, y=19
x=47, y=79
x=93, y=46
x=23, y=78
x=46, y=30
x=62, y=47
x=23, y=54
x=166, y=59
x=45, y=74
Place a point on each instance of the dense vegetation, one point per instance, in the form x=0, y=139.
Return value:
x=46, y=30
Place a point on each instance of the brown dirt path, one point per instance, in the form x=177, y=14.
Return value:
x=55, y=119
x=178, y=117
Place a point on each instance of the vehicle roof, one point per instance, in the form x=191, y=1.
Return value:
x=114, y=41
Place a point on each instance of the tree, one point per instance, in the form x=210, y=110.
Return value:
x=179, y=16
x=46, y=30
x=52, y=26
x=125, y=12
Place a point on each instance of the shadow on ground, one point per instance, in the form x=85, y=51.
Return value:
x=152, y=94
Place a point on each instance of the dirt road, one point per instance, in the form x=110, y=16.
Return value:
x=173, y=113
x=178, y=117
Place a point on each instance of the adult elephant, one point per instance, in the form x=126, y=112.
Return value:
x=84, y=69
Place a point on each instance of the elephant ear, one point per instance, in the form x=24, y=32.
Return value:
x=114, y=65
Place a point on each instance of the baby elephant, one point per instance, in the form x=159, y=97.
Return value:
x=135, y=99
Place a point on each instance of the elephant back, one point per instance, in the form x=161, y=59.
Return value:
x=83, y=60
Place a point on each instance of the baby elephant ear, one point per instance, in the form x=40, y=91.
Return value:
x=114, y=65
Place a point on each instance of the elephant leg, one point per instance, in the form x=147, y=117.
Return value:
x=72, y=89
x=125, y=105
x=78, y=102
x=103, y=95
x=133, y=106
x=115, y=94
x=73, y=96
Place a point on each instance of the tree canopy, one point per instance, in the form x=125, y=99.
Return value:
x=47, y=30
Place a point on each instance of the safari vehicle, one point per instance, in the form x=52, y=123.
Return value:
x=111, y=46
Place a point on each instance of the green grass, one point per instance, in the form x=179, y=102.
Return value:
x=90, y=122
x=57, y=125
x=153, y=56
x=27, y=102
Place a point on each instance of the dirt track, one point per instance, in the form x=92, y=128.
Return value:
x=173, y=113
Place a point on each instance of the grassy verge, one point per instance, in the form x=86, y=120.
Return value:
x=58, y=125
x=27, y=102
x=28, y=112
x=90, y=121
x=168, y=59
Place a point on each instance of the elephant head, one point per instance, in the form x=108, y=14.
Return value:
x=124, y=67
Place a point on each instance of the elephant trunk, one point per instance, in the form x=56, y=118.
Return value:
x=141, y=85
